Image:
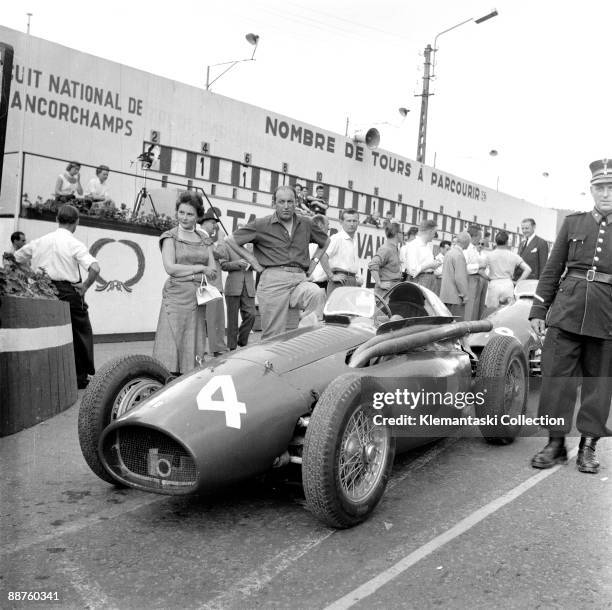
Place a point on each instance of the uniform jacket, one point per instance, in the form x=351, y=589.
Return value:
x=535, y=255
x=573, y=304
x=454, y=277
x=237, y=277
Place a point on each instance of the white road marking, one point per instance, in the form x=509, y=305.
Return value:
x=89, y=589
x=269, y=570
x=79, y=524
x=370, y=587
x=273, y=567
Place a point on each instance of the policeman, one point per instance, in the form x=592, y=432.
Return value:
x=578, y=313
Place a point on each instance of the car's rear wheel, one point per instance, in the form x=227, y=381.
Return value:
x=347, y=460
x=118, y=387
x=502, y=376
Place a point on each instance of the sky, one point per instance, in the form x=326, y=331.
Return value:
x=531, y=83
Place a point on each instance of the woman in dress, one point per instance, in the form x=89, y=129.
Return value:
x=501, y=263
x=68, y=184
x=180, y=340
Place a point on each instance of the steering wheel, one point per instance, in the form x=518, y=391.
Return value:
x=382, y=313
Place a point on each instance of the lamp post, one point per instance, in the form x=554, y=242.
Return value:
x=251, y=39
x=422, y=140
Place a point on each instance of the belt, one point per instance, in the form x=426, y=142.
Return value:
x=344, y=272
x=290, y=268
x=590, y=276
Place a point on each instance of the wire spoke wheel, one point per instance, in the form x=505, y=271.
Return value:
x=347, y=460
x=502, y=377
x=121, y=385
x=362, y=456
x=514, y=389
x=132, y=394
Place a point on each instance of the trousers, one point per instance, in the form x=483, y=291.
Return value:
x=568, y=359
x=82, y=333
x=278, y=290
x=246, y=305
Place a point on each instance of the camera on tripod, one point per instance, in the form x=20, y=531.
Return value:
x=149, y=156
x=146, y=158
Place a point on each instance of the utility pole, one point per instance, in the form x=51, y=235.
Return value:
x=29, y=17
x=420, y=156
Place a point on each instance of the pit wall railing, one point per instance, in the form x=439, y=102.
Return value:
x=27, y=192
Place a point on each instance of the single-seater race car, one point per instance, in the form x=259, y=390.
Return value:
x=335, y=399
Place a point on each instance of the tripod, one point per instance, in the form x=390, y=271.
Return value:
x=142, y=197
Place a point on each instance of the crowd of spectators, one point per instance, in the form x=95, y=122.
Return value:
x=296, y=261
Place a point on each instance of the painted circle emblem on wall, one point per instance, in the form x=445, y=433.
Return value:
x=103, y=284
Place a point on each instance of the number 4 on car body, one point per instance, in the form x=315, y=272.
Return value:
x=229, y=400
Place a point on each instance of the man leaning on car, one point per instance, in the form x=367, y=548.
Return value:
x=578, y=314
x=280, y=253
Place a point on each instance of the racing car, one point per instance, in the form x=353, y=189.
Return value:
x=324, y=399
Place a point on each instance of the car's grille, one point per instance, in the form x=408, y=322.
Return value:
x=149, y=458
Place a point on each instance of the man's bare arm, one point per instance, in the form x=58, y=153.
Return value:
x=243, y=253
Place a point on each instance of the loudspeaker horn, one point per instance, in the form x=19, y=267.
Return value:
x=370, y=137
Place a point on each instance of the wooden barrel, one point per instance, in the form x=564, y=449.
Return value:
x=37, y=372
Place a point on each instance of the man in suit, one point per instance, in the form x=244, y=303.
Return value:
x=454, y=286
x=578, y=345
x=533, y=250
x=239, y=296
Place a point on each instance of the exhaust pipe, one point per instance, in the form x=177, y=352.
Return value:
x=404, y=340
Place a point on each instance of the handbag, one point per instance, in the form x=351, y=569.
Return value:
x=206, y=293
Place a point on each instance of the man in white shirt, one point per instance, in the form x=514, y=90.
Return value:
x=418, y=259
x=61, y=255
x=445, y=246
x=477, y=279
x=96, y=189
x=320, y=275
x=343, y=253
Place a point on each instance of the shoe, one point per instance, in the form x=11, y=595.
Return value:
x=586, y=461
x=554, y=453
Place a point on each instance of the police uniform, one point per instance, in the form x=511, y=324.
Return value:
x=574, y=296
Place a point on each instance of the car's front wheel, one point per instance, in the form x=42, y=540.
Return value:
x=118, y=387
x=347, y=460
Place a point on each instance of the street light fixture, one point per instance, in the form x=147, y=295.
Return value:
x=251, y=39
x=422, y=140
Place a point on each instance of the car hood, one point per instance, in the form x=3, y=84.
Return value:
x=303, y=346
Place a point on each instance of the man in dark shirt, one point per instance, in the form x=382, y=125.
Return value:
x=578, y=313
x=280, y=253
x=385, y=266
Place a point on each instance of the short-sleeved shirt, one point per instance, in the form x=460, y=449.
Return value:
x=502, y=263
x=59, y=253
x=274, y=247
x=96, y=189
x=387, y=263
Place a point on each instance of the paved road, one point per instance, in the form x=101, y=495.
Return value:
x=462, y=525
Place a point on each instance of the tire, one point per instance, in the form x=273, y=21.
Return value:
x=502, y=374
x=119, y=386
x=332, y=443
